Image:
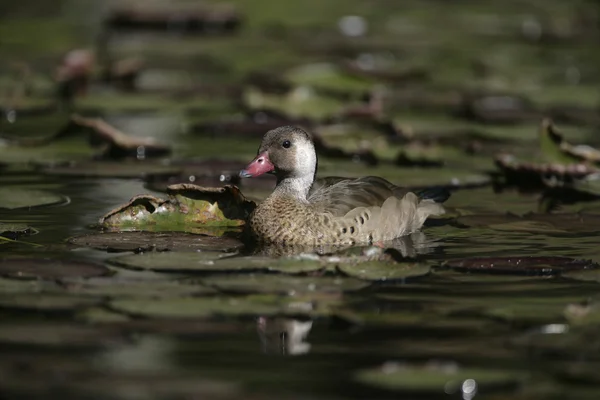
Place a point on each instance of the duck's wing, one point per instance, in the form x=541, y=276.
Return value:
x=338, y=195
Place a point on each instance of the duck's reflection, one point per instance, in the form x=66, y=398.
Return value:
x=408, y=246
x=285, y=336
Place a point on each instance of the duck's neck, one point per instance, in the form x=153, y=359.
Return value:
x=296, y=187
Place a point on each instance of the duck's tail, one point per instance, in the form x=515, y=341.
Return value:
x=438, y=194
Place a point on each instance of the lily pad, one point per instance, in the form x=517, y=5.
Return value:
x=435, y=378
x=283, y=284
x=22, y=286
x=213, y=262
x=382, y=271
x=556, y=149
x=14, y=231
x=198, y=307
x=586, y=275
x=57, y=334
x=13, y=198
x=111, y=169
x=120, y=145
x=50, y=269
x=140, y=242
x=47, y=302
x=113, y=287
x=550, y=265
x=188, y=208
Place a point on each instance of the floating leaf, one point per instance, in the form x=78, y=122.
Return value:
x=47, y=302
x=120, y=145
x=592, y=275
x=557, y=150
x=57, y=334
x=283, y=284
x=198, y=307
x=14, y=231
x=13, y=198
x=140, y=242
x=189, y=207
x=435, y=378
x=212, y=262
x=50, y=269
x=23, y=286
x=115, y=287
x=382, y=271
x=550, y=265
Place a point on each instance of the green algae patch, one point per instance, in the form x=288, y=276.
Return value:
x=189, y=208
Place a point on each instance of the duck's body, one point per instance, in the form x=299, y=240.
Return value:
x=332, y=211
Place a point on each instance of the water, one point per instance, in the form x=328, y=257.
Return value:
x=490, y=328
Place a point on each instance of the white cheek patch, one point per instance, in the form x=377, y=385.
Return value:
x=306, y=161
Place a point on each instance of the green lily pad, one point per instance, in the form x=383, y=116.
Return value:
x=50, y=269
x=555, y=149
x=47, y=302
x=283, y=284
x=198, y=307
x=435, y=378
x=155, y=241
x=189, y=208
x=13, y=198
x=112, y=169
x=328, y=76
x=13, y=231
x=57, y=334
x=170, y=261
x=213, y=262
x=113, y=287
x=382, y=271
x=585, y=275
x=23, y=286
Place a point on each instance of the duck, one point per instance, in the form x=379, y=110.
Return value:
x=303, y=210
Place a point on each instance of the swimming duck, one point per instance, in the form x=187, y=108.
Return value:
x=303, y=210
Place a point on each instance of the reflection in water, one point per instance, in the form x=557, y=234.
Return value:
x=284, y=336
x=408, y=246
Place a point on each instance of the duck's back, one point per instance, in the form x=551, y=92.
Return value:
x=338, y=195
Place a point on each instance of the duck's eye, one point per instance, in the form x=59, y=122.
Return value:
x=286, y=144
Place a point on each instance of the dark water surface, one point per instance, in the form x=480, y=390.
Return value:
x=497, y=299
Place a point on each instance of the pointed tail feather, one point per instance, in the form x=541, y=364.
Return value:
x=438, y=194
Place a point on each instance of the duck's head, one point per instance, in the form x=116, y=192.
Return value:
x=287, y=152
